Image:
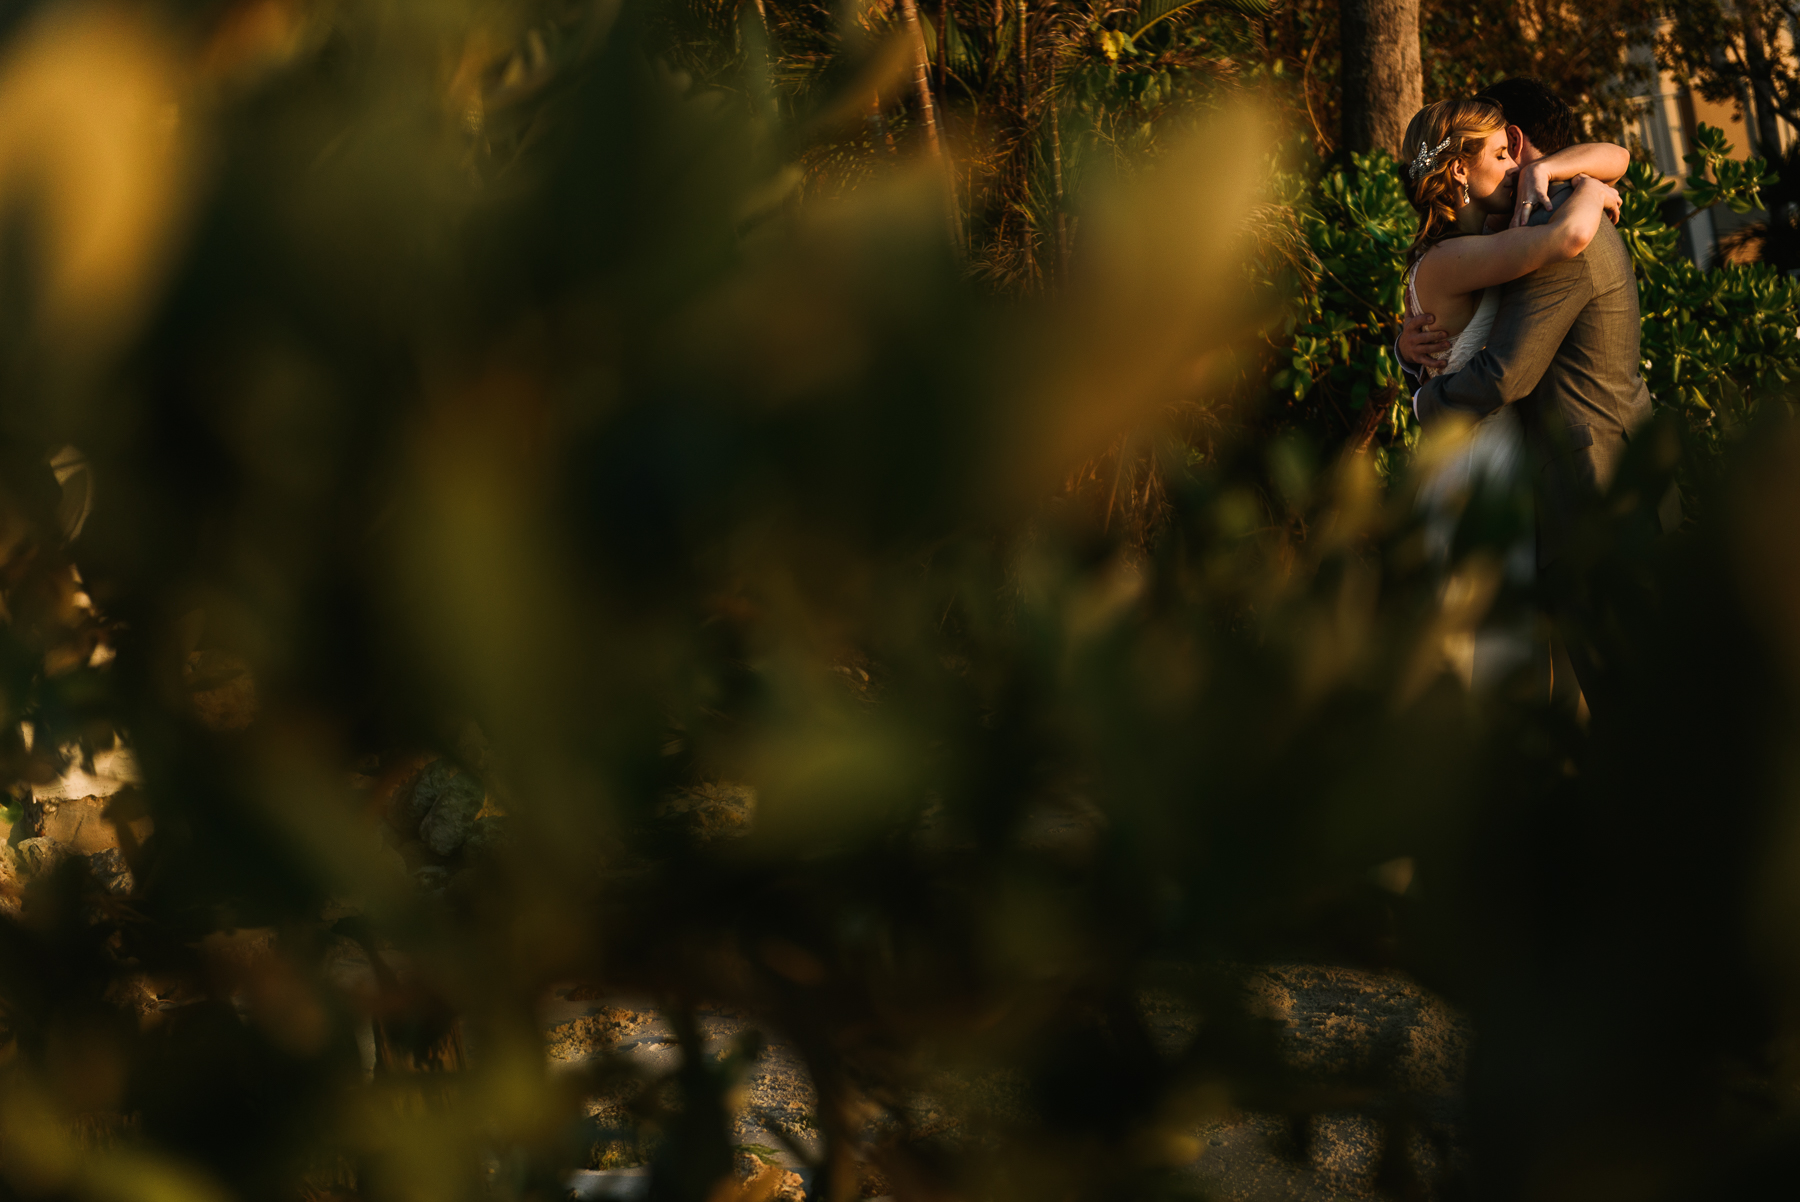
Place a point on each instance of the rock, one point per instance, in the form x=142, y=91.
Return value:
x=11, y=888
x=39, y=854
x=489, y=833
x=871, y=1182
x=762, y=1178
x=789, y=1186
x=135, y=992
x=450, y=823
x=222, y=689
x=713, y=810
x=594, y=1035
x=1378, y=1035
x=110, y=872
x=446, y=799
x=391, y=794
x=78, y=823
x=432, y=878
x=417, y=798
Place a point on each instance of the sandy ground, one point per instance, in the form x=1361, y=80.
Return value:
x=1376, y=1039
x=1386, y=1051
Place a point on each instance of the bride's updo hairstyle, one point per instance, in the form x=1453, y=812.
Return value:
x=1439, y=136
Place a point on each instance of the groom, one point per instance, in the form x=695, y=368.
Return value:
x=1564, y=348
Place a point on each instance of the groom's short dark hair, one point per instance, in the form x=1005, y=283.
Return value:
x=1534, y=108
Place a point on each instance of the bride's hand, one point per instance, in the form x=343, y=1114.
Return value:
x=1531, y=191
x=1610, y=201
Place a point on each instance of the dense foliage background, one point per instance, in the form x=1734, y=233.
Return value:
x=624, y=404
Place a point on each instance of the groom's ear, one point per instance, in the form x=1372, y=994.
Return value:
x=1515, y=142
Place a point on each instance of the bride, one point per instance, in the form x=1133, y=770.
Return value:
x=1461, y=178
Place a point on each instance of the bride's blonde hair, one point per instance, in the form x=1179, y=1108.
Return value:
x=1440, y=136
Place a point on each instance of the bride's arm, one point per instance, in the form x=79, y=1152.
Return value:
x=1602, y=160
x=1466, y=265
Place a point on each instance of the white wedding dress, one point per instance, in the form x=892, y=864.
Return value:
x=1492, y=459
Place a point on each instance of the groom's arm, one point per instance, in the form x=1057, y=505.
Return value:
x=1419, y=341
x=1535, y=312
x=1407, y=368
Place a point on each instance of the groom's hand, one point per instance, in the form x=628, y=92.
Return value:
x=1420, y=342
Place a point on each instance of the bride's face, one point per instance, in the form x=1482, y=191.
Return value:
x=1490, y=173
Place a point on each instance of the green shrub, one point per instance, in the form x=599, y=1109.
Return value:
x=1333, y=342
x=1716, y=343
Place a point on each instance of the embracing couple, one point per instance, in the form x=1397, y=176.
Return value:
x=1522, y=317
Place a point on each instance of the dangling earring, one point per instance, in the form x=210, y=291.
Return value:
x=1465, y=194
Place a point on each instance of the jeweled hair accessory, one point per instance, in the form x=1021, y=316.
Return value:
x=1423, y=161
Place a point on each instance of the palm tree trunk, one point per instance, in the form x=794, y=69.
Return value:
x=1028, y=135
x=1383, y=80
x=1024, y=56
x=909, y=12
x=1056, y=169
x=768, y=64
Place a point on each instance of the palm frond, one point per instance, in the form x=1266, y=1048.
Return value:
x=1152, y=11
